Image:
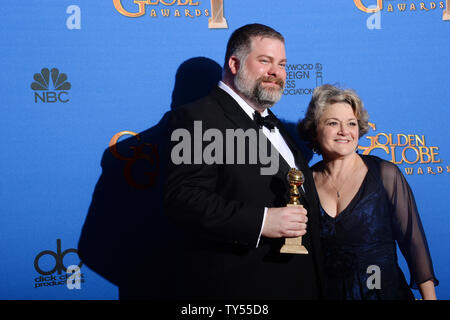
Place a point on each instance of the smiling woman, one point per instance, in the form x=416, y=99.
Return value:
x=366, y=206
x=322, y=98
x=337, y=130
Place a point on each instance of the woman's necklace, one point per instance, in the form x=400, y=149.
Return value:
x=333, y=185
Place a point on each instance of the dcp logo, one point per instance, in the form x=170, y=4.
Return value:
x=59, y=259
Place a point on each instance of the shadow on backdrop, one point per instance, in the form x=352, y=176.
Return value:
x=126, y=238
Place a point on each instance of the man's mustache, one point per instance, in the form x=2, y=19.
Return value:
x=275, y=80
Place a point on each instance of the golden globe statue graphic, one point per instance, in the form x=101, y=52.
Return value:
x=294, y=245
x=446, y=14
x=217, y=20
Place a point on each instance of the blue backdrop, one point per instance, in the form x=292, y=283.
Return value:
x=78, y=76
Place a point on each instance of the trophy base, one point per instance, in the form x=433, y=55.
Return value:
x=217, y=24
x=446, y=16
x=293, y=245
x=293, y=249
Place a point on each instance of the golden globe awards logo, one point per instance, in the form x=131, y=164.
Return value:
x=405, y=6
x=141, y=160
x=189, y=9
x=409, y=150
x=50, y=92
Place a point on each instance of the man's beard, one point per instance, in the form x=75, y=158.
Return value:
x=254, y=91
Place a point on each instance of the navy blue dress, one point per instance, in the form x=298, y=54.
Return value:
x=360, y=243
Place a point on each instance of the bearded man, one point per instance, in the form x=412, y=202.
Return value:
x=230, y=214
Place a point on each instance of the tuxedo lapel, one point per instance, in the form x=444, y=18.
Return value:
x=287, y=138
x=232, y=110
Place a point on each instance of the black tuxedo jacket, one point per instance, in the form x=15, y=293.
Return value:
x=218, y=210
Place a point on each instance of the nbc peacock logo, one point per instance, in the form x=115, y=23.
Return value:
x=50, y=92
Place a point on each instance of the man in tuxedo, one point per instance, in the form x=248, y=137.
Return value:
x=230, y=215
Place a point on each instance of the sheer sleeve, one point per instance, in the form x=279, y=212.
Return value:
x=407, y=227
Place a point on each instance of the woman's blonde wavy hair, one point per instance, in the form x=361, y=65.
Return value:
x=322, y=97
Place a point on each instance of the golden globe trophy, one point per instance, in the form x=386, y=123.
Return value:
x=446, y=15
x=217, y=20
x=294, y=245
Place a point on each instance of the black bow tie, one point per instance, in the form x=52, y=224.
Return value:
x=269, y=122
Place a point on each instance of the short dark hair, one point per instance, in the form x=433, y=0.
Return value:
x=240, y=40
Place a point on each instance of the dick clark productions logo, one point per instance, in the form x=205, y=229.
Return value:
x=72, y=276
x=54, y=92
